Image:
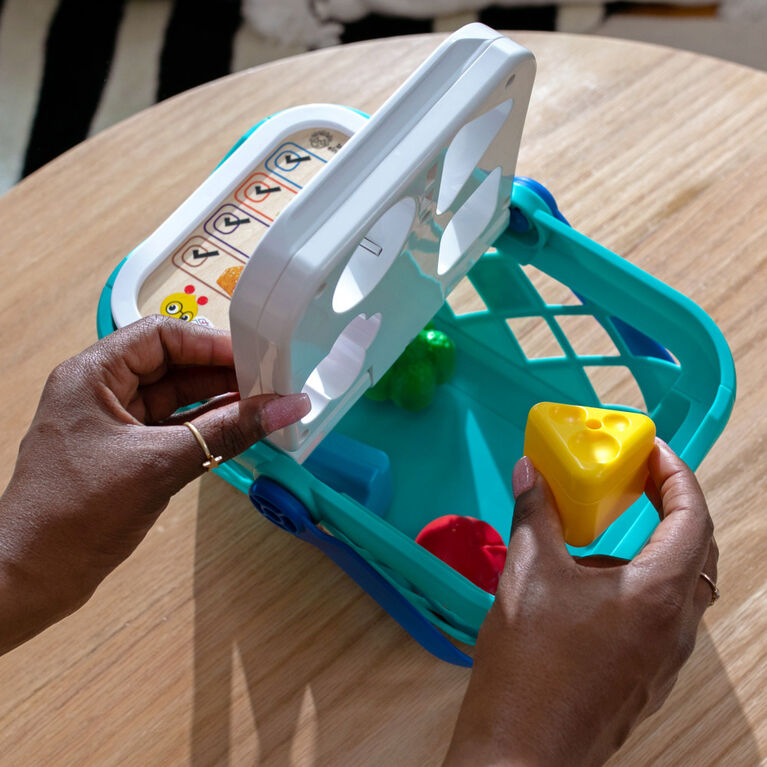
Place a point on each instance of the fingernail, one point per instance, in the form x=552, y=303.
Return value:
x=283, y=411
x=523, y=477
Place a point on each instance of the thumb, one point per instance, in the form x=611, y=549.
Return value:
x=536, y=528
x=227, y=431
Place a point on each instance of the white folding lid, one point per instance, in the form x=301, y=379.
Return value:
x=364, y=257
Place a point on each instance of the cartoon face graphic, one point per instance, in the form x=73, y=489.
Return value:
x=182, y=306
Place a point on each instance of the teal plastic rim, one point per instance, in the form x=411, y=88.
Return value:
x=476, y=423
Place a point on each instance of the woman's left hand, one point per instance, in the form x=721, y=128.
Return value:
x=105, y=453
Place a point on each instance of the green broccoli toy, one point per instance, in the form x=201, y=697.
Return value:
x=427, y=362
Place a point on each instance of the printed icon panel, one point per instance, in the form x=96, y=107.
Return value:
x=208, y=264
x=205, y=260
x=264, y=195
x=195, y=252
x=294, y=163
x=237, y=228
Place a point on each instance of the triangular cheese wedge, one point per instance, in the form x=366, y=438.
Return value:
x=594, y=460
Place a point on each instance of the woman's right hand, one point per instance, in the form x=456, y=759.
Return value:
x=575, y=652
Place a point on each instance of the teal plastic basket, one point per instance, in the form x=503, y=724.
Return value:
x=457, y=456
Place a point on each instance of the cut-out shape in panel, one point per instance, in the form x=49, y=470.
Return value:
x=535, y=337
x=466, y=150
x=343, y=363
x=616, y=385
x=464, y=299
x=553, y=292
x=469, y=221
x=374, y=255
x=587, y=336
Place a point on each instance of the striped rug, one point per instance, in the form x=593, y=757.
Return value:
x=69, y=68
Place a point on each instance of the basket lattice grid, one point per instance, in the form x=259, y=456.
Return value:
x=550, y=334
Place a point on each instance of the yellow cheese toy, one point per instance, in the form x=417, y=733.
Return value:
x=595, y=461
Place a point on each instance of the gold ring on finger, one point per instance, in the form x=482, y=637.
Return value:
x=212, y=461
x=715, y=594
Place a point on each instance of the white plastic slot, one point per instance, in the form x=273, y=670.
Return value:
x=466, y=150
x=470, y=220
x=340, y=368
x=374, y=255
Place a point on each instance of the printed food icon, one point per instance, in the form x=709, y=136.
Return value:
x=228, y=278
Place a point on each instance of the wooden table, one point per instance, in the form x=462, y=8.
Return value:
x=222, y=641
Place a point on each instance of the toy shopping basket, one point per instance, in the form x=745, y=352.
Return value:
x=652, y=349
x=324, y=271
x=457, y=457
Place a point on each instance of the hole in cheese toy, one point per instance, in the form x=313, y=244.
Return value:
x=595, y=462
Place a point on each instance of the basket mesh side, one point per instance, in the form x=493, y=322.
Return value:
x=567, y=343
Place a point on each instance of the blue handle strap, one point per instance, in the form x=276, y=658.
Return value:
x=639, y=344
x=284, y=510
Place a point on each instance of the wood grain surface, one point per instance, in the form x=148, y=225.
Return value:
x=223, y=641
